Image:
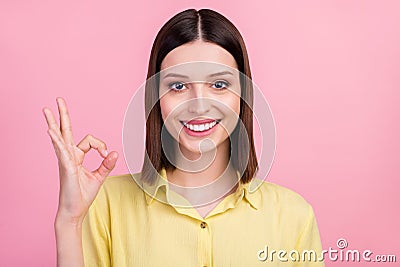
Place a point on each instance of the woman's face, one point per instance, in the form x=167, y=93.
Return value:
x=199, y=95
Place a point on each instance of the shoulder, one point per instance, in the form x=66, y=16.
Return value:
x=119, y=197
x=119, y=187
x=280, y=193
x=124, y=182
x=120, y=180
x=285, y=200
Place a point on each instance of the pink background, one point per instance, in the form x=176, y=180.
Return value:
x=329, y=69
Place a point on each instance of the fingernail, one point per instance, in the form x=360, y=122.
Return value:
x=105, y=153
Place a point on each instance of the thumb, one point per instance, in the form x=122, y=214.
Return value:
x=106, y=166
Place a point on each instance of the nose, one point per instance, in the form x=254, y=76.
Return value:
x=199, y=103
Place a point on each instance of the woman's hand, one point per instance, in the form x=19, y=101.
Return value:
x=78, y=186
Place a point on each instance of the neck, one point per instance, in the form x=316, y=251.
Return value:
x=209, y=184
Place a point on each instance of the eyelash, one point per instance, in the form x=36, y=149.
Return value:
x=226, y=85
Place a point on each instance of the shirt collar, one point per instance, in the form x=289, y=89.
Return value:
x=152, y=190
x=160, y=190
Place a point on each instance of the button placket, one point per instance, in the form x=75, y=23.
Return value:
x=205, y=244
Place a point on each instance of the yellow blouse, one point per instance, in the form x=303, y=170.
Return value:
x=272, y=226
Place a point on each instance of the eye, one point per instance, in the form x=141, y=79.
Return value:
x=220, y=85
x=177, y=86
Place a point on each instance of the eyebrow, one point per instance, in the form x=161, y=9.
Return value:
x=177, y=75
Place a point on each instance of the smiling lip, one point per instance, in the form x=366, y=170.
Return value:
x=201, y=121
x=200, y=128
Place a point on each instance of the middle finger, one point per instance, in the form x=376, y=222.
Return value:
x=65, y=122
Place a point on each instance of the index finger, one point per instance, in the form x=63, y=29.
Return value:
x=65, y=122
x=51, y=121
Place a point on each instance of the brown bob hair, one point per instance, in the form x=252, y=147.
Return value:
x=185, y=27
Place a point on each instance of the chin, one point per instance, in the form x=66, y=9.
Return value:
x=202, y=146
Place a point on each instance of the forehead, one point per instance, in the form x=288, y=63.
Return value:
x=198, y=51
x=197, y=71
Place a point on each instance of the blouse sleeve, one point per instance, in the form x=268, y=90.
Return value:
x=96, y=241
x=309, y=242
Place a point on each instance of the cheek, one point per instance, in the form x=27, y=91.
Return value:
x=237, y=106
x=166, y=107
x=233, y=102
x=230, y=110
x=167, y=110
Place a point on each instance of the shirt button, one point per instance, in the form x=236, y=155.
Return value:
x=203, y=225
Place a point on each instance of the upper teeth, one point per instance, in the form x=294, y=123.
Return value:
x=200, y=127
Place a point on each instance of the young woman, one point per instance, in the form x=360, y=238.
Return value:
x=191, y=204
